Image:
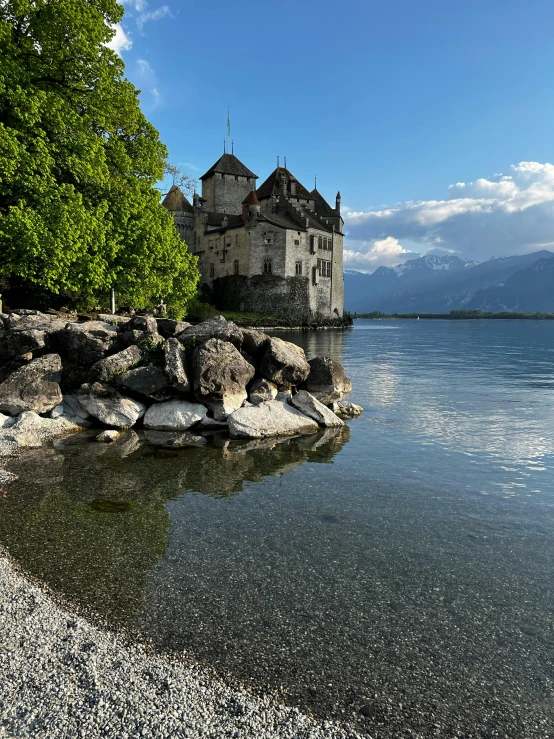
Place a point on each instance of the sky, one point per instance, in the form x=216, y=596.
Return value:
x=435, y=120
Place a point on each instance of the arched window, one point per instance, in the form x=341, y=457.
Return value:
x=268, y=267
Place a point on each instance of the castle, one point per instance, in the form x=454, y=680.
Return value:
x=276, y=249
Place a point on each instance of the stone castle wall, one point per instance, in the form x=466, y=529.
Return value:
x=284, y=297
x=224, y=193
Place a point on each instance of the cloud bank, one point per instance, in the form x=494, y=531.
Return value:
x=504, y=214
x=121, y=41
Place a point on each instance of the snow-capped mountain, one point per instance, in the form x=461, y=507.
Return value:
x=438, y=284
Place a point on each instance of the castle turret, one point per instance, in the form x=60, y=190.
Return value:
x=225, y=184
x=250, y=209
x=337, y=204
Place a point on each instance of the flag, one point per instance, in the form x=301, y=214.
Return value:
x=228, y=123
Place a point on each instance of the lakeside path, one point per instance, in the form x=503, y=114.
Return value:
x=61, y=676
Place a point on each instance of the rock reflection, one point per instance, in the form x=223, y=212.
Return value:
x=91, y=520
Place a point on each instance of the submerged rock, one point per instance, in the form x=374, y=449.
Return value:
x=174, y=439
x=32, y=431
x=327, y=381
x=174, y=415
x=346, y=409
x=284, y=363
x=109, y=406
x=107, y=436
x=220, y=377
x=271, y=418
x=33, y=387
x=312, y=408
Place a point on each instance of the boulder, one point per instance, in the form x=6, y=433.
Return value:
x=73, y=411
x=109, y=367
x=174, y=366
x=210, y=424
x=6, y=421
x=311, y=407
x=32, y=431
x=271, y=418
x=327, y=381
x=214, y=328
x=8, y=446
x=14, y=344
x=39, y=322
x=6, y=478
x=220, y=377
x=262, y=390
x=113, y=319
x=85, y=343
x=346, y=409
x=168, y=328
x=4, y=320
x=255, y=343
x=174, y=415
x=174, y=439
x=284, y=363
x=107, y=436
x=33, y=387
x=108, y=406
x=149, y=382
x=147, y=324
x=126, y=338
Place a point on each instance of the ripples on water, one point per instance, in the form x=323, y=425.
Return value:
x=406, y=567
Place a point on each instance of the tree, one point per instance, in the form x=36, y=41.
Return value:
x=79, y=211
x=180, y=179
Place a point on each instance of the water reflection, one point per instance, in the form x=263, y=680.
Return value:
x=91, y=519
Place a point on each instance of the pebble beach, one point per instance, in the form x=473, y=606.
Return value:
x=61, y=676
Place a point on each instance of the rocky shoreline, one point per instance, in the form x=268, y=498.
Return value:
x=179, y=382
x=62, y=676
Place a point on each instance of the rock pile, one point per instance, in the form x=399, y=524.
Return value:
x=57, y=377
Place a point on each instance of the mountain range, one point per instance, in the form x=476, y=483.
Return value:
x=440, y=284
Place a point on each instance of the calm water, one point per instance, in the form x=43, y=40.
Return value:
x=404, y=565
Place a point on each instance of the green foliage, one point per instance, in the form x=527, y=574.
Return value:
x=149, y=349
x=176, y=312
x=79, y=213
x=199, y=311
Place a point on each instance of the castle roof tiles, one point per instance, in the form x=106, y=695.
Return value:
x=176, y=201
x=272, y=186
x=229, y=164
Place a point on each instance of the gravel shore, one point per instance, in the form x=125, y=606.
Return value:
x=60, y=676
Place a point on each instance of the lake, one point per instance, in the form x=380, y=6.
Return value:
x=397, y=574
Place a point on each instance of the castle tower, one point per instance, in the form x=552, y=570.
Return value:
x=226, y=184
x=250, y=209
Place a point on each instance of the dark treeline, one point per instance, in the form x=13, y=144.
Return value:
x=460, y=315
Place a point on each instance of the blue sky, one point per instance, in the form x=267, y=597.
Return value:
x=434, y=119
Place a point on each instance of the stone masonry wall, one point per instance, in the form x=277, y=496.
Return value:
x=225, y=193
x=286, y=298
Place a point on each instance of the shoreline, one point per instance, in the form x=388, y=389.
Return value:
x=62, y=675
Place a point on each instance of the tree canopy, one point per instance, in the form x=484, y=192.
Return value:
x=79, y=212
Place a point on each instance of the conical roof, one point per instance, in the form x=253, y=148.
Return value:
x=251, y=199
x=176, y=201
x=229, y=164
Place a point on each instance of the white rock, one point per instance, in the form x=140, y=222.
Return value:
x=271, y=418
x=311, y=407
x=73, y=411
x=32, y=431
x=109, y=406
x=108, y=436
x=174, y=415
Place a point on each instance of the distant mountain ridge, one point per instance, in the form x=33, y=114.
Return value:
x=439, y=284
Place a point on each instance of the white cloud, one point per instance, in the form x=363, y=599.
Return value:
x=148, y=75
x=138, y=5
x=377, y=253
x=153, y=15
x=503, y=214
x=121, y=41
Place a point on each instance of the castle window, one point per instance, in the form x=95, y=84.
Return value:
x=328, y=269
x=212, y=270
x=211, y=244
x=236, y=267
x=268, y=240
x=314, y=275
x=298, y=268
x=236, y=178
x=268, y=267
x=312, y=244
x=236, y=239
x=297, y=242
x=319, y=267
x=320, y=242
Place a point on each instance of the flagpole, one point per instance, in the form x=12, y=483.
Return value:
x=228, y=127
